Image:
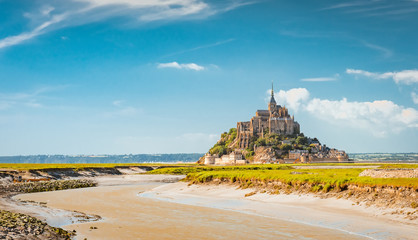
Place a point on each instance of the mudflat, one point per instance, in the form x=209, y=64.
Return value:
x=128, y=215
x=338, y=214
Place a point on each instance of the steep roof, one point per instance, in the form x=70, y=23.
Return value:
x=272, y=100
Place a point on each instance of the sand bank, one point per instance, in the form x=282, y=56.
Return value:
x=129, y=211
x=343, y=215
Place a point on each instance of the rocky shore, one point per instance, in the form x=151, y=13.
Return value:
x=21, y=226
x=44, y=186
x=7, y=175
x=15, y=225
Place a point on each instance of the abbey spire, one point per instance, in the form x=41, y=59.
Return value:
x=272, y=100
x=272, y=103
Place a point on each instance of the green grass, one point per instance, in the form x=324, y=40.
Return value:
x=381, y=165
x=40, y=166
x=320, y=179
x=327, y=178
x=195, y=169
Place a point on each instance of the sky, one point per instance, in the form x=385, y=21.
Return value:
x=169, y=76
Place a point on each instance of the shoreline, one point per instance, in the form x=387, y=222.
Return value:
x=123, y=209
x=357, y=212
x=60, y=217
x=333, y=216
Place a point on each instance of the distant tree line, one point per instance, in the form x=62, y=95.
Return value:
x=134, y=158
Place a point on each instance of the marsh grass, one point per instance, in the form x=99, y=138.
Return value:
x=195, y=169
x=320, y=179
x=324, y=180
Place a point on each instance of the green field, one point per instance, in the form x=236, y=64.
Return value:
x=320, y=179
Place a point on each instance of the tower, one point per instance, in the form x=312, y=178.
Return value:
x=272, y=104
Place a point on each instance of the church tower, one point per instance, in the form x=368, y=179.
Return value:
x=272, y=104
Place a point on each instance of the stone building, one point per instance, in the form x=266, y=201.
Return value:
x=274, y=120
x=234, y=158
x=295, y=154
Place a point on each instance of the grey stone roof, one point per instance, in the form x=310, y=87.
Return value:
x=272, y=100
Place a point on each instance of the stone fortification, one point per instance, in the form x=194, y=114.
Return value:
x=274, y=120
x=271, y=136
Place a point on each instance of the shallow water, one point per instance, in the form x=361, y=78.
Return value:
x=54, y=217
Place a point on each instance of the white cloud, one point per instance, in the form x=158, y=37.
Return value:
x=293, y=98
x=175, y=12
x=344, y=5
x=386, y=52
x=378, y=117
x=27, y=99
x=156, y=9
x=202, y=47
x=361, y=72
x=122, y=110
x=319, y=79
x=407, y=77
x=374, y=8
x=187, y=66
x=78, y=12
x=17, y=39
x=117, y=103
x=414, y=96
x=46, y=10
x=140, y=4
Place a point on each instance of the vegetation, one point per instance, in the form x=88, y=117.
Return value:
x=45, y=186
x=318, y=179
x=187, y=170
x=229, y=142
x=226, y=144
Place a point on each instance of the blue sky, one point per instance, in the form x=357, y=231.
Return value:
x=168, y=76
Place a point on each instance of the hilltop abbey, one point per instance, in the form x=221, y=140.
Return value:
x=274, y=120
x=271, y=136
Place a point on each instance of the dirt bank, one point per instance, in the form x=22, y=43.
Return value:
x=401, y=201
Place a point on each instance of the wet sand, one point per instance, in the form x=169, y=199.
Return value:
x=127, y=214
x=332, y=213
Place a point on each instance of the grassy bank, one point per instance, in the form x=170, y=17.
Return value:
x=197, y=168
x=319, y=179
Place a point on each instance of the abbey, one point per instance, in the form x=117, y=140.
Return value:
x=274, y=120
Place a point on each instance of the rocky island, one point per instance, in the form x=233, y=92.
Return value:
x=271, y=136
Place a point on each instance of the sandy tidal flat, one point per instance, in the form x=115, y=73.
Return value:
x=155, y=210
